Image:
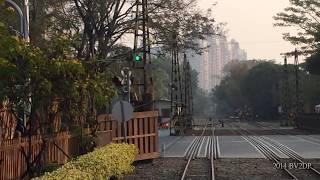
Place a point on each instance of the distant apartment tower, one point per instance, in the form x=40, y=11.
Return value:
x=211, y=63
x=236, y=52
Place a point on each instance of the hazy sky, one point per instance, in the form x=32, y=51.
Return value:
x=250, y=22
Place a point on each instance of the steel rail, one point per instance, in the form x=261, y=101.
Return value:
x=213, y=152
x=193, y=151
x=269, y=154
x=265, y=149
x=283, y=149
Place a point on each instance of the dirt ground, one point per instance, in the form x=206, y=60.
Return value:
x=226, y=169
x=158, y=169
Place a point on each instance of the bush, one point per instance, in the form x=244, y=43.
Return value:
x=51, y=167
x=113, y=160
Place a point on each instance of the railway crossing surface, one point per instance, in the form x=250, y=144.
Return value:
x=237, y=146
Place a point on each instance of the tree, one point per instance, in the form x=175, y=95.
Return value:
x=96, y=26
x=313, y=63
x=56, y=86
x=304, y=16
x=261, y=89
x=228, y=94
x=260, y=86
x=183, y=26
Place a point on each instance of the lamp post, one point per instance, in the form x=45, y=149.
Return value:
x=20, y=14
x=24, y=26
x=24, y=18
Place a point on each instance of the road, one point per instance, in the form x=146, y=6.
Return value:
x=236, y=146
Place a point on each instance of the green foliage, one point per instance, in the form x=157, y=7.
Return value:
x=22, y=69
x=183, y=26
x=51, y=167
x=161, y=84
x=201, y=106
x=102, y=23
x=304, y=16
x=228, y=95
x=310, y=91
x=161, y=78
x=313, y=63
x=54, y=75
x=113, y=160
x=261, y=88
x=8, y=17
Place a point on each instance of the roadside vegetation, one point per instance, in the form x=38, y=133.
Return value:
x=111, y=161
x=257, y=88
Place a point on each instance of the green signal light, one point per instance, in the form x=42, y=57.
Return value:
x=137, y=58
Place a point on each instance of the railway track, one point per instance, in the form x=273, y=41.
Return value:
x=281, y=132
x=201, y=168
x=294, y=166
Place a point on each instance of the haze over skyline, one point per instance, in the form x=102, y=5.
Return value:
x=250, y=22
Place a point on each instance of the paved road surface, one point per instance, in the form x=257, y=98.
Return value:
x=308, y=146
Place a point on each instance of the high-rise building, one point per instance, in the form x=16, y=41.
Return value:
x=211, y=63
x=237, y=53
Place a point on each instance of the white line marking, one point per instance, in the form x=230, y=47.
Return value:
x=218, y=146
x=313, y=137
x=306, y=140
x=254, y=147
x=270, y=146
x=205, y=152
x=209, y=153
x=200, y=148
x=174, y=141
x=283, y=145
x=185, y=153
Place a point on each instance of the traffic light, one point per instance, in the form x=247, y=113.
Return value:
x=138, y=57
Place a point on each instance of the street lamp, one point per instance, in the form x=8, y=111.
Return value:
x=24, y=18
x=24, y=28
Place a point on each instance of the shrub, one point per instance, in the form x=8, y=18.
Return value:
x=113, y=160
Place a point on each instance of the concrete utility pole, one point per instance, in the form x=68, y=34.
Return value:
x=286, y=104
x=26, y=20
x=296, y=64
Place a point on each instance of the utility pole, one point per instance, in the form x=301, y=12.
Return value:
x=187, y=93
x=26, y=20
x=296, y=64
x=177, y=107
x=142, y=83
x=286, y=103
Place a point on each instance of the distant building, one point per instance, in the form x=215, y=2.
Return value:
x=211, y=63
x=236, y=52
